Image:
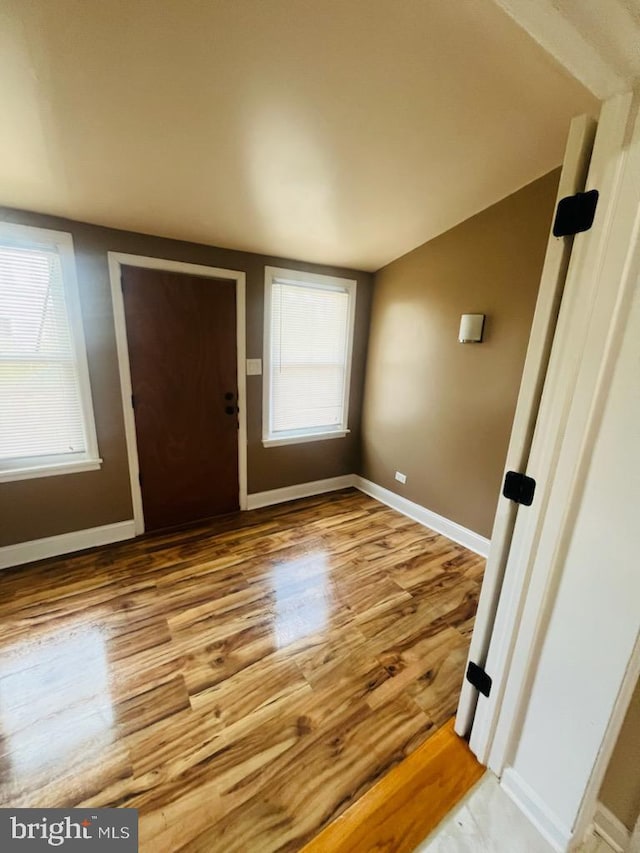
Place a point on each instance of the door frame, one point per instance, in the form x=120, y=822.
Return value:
x=602, y=275
x=116, y=261
x=518, y=628
x=573, y=178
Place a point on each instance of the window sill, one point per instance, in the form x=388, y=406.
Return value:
x=36, y=471
x=304, y=439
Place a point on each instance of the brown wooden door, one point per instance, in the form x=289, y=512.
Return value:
x=181, y=331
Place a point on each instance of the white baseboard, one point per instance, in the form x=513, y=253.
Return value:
x=450, y=529
x=530, y=804
x=66, y=543
x=609, y=827
x=301, y=490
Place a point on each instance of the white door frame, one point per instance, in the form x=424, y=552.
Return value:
x=572, y=180
x=602, y=275
x=616, y=720
x=503, y=663
x=116, y=261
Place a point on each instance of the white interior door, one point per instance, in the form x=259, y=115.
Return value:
x=549, y=429
x=572, y=180
x=564, y=653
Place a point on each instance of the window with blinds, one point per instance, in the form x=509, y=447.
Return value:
x=308, y=341
x=45, y=408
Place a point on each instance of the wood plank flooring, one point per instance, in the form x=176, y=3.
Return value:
x=241, y=683
x=407, y=804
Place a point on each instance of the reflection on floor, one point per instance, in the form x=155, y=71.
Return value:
x=486, y=821
x=242, y=683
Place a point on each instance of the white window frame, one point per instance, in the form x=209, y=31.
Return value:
x=329, y=282
x=31, y=467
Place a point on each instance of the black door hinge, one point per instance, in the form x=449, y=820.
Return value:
x=479, y=678
x=519, y=488
x=133, y=402
x=575, y=213
x=139, y=477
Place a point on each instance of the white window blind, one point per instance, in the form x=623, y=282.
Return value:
x=309, y=359
x=42, y=414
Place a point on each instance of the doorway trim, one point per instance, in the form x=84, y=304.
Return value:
x=602, y=276
x=573, y=178
x=116, y=261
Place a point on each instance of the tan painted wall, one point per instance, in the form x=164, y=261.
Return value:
x=30, y=509
x=621, y=787
x=436, y=410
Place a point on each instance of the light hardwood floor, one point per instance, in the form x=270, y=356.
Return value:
x=400, y=810
x=241, y=683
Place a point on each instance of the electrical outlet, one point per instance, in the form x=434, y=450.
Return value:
x=401, y=478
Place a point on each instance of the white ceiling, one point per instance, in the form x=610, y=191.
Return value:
x=339, y=131
x=598, y=41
